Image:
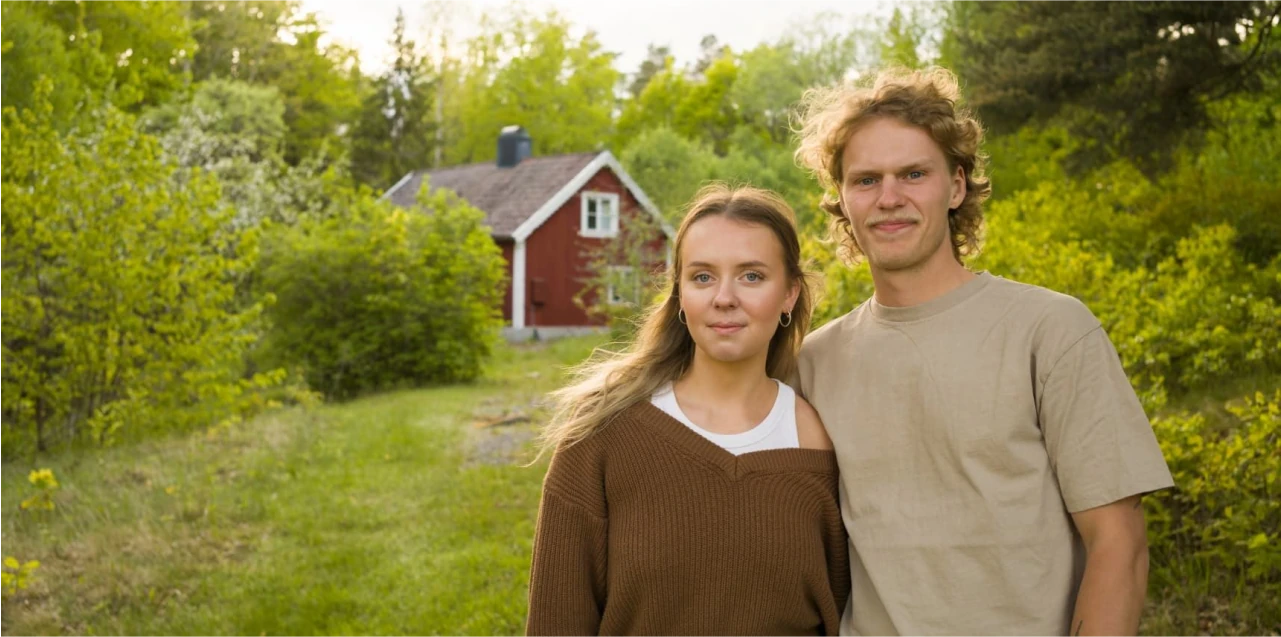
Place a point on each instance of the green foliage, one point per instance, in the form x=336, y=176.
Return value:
x=35, y=47
x=531, y=71
x=242, y=118
x=1140, y=75
x=146, y=45
x=903, y=36
x=669, y=168
x=117, y=288
x=1224, y=511
x=384, y=297
x=237, y=40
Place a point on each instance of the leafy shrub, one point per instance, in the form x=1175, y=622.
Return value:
x=384, y=297
x=1225, y=511
x=118, y=294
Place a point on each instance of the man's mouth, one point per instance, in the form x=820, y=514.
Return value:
x=892, y=226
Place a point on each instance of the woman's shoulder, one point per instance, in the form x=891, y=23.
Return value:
x=809, y=427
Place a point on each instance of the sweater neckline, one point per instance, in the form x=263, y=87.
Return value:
x=821, y=461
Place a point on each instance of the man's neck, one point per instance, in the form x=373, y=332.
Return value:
x=905, y=288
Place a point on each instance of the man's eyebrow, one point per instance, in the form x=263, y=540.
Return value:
x=916, y=165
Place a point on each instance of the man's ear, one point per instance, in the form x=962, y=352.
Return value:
x=958, y=189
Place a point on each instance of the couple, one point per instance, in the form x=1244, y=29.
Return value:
x=960, y=454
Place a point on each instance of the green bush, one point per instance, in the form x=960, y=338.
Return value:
x=1225, y=512
x=384, y=297
x=118, y=294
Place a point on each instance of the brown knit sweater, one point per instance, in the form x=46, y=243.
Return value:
x=646, y=527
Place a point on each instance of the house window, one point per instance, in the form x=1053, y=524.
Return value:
x=624, y=286
x=600, y=215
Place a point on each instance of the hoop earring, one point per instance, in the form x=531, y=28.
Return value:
x=680, y=316
x=789, y=319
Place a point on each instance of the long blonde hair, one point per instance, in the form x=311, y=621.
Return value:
x=663, y=350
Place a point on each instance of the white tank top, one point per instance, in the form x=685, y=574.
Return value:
x=777, y=431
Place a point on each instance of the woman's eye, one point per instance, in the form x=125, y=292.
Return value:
x=752, y=277
x=702, y=277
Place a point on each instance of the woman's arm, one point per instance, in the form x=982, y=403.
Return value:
x=568, y=575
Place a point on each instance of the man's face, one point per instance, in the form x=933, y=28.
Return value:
x=896, y=192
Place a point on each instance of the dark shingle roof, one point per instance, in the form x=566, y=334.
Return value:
x=508, y=196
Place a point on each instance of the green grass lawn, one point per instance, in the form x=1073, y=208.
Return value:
x=390, y=514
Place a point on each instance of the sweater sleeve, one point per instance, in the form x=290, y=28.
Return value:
x=837, y=548
x=567, y=578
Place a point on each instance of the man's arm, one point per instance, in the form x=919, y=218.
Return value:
x=1116, y=569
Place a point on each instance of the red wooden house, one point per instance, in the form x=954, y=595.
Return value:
x=547, y=214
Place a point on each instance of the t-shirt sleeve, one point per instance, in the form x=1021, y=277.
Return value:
x=568, y=574
x=1100, y=442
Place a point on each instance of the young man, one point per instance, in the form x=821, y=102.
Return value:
x=992, y=452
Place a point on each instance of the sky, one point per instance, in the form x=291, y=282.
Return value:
x=625, y=27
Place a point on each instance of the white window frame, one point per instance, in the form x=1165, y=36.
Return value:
x=599, y=232
x=616, y=273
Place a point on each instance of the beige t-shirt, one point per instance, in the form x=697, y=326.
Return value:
x=967, y=429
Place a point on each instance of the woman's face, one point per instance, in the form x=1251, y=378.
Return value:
x=734, y=287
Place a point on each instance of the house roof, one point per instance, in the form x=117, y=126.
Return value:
x=508, y=196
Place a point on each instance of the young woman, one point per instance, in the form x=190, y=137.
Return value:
x=692, y=492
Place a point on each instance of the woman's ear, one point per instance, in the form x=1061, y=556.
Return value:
x=792, y=295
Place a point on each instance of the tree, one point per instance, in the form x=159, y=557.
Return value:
x=321, y=87
x=34, y=48
x=237, y=40
x=655, y=107
x=1140, y=73
x=707, y=111
x=710, y=50
x=656, y=59
x=270, y=43
x=118, y=296
x=902, y=37
x=669, y=168
x=144, y=43
x=396, y=132
x=531, y=72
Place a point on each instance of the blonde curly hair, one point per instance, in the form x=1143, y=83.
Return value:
x=927, y=99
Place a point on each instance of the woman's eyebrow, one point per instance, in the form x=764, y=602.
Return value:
x=745, y=264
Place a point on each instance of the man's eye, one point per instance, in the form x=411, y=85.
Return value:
x=915, y=174
x=867, y=181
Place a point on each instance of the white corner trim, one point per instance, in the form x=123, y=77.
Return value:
x=603, y=160
x=640, y=195
x=518, y=284
x=550, y=207
x=387, y=195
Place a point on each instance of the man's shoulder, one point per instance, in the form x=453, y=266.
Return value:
x=1043, y=309
x=832, y=332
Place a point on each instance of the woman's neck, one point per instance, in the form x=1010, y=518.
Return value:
x=728, y=383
